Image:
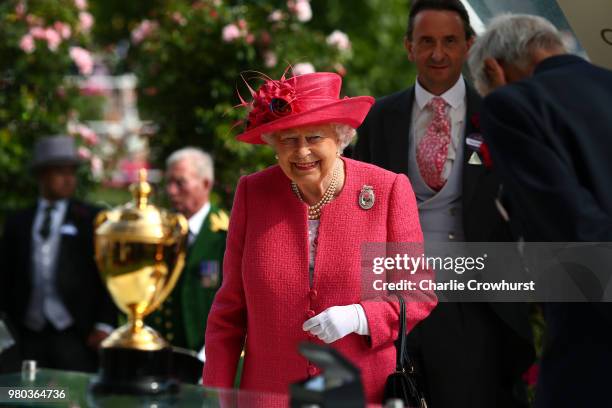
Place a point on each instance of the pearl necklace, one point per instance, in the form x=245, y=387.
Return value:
x=314, y=211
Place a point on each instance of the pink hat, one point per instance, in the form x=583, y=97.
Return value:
x=303, y=100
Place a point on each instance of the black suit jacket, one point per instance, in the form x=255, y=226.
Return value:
x=550, y=138
x=77, y=279
x=471, y=354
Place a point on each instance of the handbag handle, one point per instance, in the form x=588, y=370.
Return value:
x=402, y=359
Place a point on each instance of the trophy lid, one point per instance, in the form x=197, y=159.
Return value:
x=137, y=221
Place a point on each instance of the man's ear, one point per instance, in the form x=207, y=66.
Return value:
x=408, y=46
x=207, y=184
x=470, y=42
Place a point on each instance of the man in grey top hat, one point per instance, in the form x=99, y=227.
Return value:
x=50, y=287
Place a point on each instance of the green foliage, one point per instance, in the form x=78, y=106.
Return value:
x=189, y=74
x=35, y=99
x=379, y=65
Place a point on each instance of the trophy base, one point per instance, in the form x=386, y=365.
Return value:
x=137, y=372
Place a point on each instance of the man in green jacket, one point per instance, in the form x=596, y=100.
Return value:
x=182, y=317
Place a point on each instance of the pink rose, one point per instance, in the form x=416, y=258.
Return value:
x=143, y=31
x=97, y=167
x=81, y=4
x=339, y=40
x=302, y=10
x=230, y=33
x=53, y=39
x=276, y=16
x=83, y=152
x=86, y=21
x=27, y=44
x=63, y=29
x=87, y=134
x=82, y=59
x=270, y=59
x=38, y=33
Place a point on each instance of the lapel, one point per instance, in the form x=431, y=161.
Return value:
x=398, y=127
x=471, y=173
x=26, y=237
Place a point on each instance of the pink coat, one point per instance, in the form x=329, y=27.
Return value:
x=266, y=296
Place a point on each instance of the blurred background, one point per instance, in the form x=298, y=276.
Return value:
x=134, y=80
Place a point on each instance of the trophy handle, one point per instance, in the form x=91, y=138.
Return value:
x=100, y=218
x=178, y=237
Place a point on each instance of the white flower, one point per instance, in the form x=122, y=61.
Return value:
x=339, y=40
x=230, y=33
x=276, y=16
x=303, y=11
x=270, y=59
x=303, y=68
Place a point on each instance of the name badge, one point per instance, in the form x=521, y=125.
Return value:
x=209, y=274
x=68, y=229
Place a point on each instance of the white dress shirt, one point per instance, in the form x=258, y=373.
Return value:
x=195, y=222
x=421, y=117
x=195, y=225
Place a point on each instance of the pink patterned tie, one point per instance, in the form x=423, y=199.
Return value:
x=432, y=150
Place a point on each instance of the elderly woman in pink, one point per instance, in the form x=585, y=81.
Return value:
x=292, y=269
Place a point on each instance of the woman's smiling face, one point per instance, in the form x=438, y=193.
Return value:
x=307, y=154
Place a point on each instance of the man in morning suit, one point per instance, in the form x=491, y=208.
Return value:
x=182, y=317
x=550, y=137
x=470, y=354
x=51, y=289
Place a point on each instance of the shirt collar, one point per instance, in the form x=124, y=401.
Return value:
x=60, y=205
x=196, y=220
x=455, y=96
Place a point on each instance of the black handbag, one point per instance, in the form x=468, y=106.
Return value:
x=402, y=384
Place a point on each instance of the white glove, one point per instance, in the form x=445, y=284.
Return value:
x=338, y=321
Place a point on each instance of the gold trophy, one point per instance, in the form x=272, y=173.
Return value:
x=140, y=252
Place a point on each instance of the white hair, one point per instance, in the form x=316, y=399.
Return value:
x=199, y=159
x=344, y=135
x=511, y=38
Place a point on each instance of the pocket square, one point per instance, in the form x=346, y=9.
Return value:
x=68, y=229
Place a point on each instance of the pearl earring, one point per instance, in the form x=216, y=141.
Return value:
x=276, y=156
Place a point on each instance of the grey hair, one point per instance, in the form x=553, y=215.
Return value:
x=201, y=160
x=511, y=38
x=344, y=135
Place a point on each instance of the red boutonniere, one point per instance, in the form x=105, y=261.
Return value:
x=531, y=375
x=475, y=119
x=486, y=155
